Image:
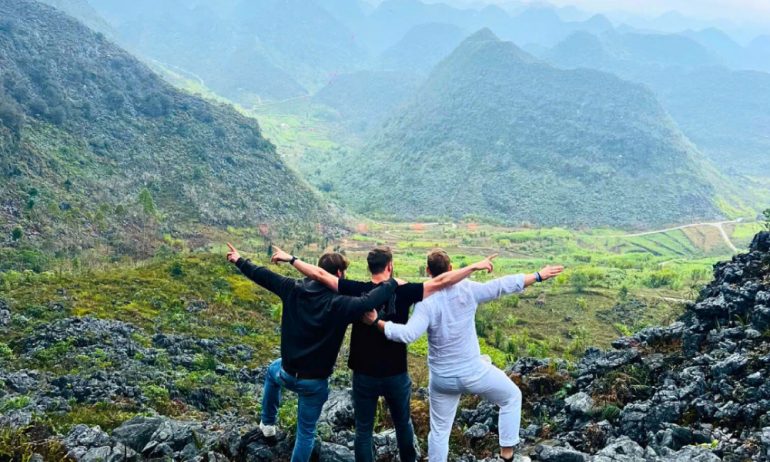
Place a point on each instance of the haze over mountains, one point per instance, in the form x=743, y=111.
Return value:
x=726, y=112
x=96, y=149
x=496, y=133
x=687, y=136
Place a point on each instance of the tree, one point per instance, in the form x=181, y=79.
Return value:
x=147, y=202
x=17, y=233
x=579, y=280
x=766, y=214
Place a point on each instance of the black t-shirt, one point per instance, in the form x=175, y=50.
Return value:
x=371, y=353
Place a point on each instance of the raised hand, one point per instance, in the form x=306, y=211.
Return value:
x=550, y=272
x=232, y=255
x=280, y=256
x=485, y=264
x=369, y=317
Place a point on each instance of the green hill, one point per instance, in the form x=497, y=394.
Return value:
x=496, y=133
x=96, y=150
x=246, y=50
x=725, y=112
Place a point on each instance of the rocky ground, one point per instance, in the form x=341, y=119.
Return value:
x=696, y=390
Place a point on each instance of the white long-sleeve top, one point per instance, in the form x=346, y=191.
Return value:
x=449, y=316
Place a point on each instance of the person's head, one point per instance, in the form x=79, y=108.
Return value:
x=438, y=262
x=380, y=260
x=334, y=263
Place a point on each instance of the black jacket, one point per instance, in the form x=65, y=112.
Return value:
x=314, y=318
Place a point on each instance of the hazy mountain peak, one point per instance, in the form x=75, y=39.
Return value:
x=484, y=43
x=483, y=35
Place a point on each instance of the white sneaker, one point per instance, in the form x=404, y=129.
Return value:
x=268, y=431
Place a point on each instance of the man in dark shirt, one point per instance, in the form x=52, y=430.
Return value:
x=313, y=325
x=379, y=365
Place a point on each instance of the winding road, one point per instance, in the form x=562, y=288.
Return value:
x=718, y=224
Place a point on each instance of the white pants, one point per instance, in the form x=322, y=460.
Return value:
x=491, y=384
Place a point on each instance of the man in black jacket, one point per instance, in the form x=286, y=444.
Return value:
x=313, y=325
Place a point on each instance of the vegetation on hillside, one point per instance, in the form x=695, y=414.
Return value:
x=496, y=134
x=723, y=111
x=96, y=151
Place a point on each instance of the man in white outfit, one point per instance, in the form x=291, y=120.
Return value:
x=454, y=357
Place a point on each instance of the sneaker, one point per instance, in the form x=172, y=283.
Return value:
x=268, y=431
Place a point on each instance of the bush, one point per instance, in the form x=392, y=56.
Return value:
x=5, y=351
x=662, y=278
x=17, y=233
x=11, y=117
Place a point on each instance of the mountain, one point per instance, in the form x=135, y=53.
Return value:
x=535, y=24
x=758, y=53
x=717, y=41
x=725, y=112
x=496, y=133
x=249, y=51
x=364, y=99
x=422, y=47
x=95, y=149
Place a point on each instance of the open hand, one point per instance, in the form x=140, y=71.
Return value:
x=280, y=256
x=485, y=264
x=550, y=272
x=369, y=317
x=233, y=255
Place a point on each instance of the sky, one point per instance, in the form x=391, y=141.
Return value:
x=753, y=10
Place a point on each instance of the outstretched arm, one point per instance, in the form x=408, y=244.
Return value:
x=279, y=285
x=403, y=333
x=453, y=277
x=313, y=272
x=511, y=284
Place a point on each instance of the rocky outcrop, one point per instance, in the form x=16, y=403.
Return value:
x=694, y=390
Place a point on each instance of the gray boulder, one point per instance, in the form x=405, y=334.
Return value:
x=137, y=432
x=548, y=453
x=579, y=403
x=338, y=410
x=624, y=450
x=692, y=454
x=335, y=453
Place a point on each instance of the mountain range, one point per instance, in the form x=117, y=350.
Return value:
x=97, y=150
x=726, y=112
x=496, y=133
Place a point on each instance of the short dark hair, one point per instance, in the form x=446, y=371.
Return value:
x=438, y=262
x=333, y=262
x=378, y=259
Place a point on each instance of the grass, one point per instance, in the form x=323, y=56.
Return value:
x=560, y=318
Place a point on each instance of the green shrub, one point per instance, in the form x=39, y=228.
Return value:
x=17, y=233
x=663, y=278
x=14, y=403
x=610, y=412
x=5, y=351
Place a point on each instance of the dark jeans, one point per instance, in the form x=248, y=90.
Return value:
x=397, y=391
x=312, y=395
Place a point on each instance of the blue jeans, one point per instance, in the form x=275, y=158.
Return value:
x=312, y=395
x=397, y=391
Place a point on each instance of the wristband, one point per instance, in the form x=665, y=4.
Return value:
x=293, y=259
x=538, y=277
